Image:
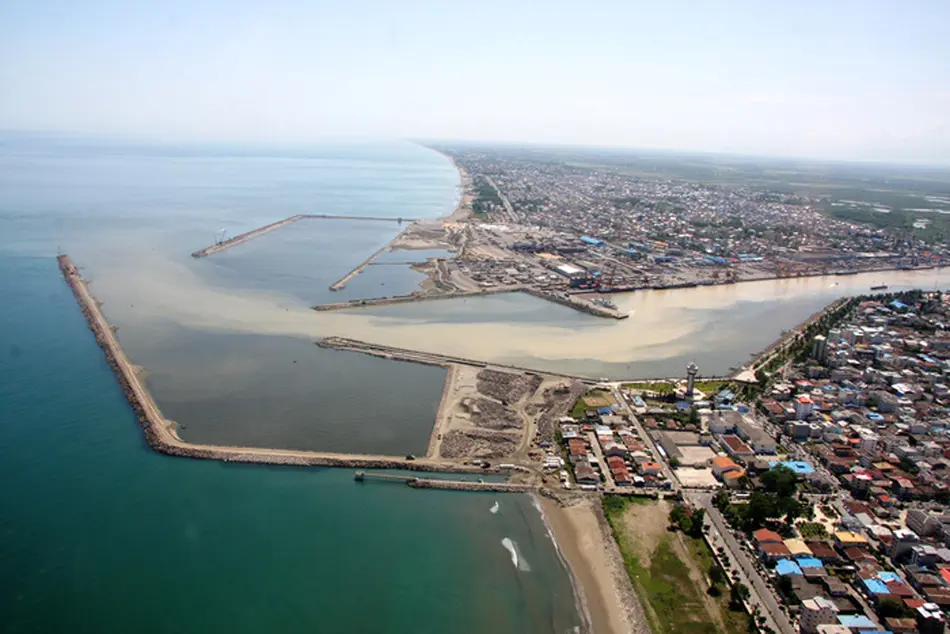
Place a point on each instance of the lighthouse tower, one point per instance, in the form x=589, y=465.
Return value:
x=691, y=371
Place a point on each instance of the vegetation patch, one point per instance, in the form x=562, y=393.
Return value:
x=812, y=530
x=661, y=573
x=660, y=387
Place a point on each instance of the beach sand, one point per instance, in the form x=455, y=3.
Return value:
x=583, y=537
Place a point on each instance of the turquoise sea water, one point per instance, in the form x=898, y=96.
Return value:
x=100, y=534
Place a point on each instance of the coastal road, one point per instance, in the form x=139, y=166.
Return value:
x=504, y=199
x=760, y=595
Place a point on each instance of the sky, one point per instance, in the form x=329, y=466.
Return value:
x=828, y=79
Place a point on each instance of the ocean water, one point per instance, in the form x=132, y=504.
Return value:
x=100, y=534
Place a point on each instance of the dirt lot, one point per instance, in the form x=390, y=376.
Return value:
x=599, y=399
x=690, y=477
x=696, y=455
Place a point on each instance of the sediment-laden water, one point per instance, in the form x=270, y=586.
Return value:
x=100, y=534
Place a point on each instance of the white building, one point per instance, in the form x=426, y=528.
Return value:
x=803, y=406
x=817, y=611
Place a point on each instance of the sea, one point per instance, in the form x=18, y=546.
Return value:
x=100, y=534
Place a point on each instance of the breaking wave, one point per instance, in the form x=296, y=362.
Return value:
x=494, y=508
x=516, y=557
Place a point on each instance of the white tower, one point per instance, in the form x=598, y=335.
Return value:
x=691, y=371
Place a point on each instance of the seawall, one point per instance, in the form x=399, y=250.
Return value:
x=577, y=304
x=428, y=358
x=343, y=281
x=407, y=299
x=160, y=434
x=244, y=237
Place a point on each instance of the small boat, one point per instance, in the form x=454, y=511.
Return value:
x=879, y=287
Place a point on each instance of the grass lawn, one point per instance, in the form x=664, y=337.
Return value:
x=660, y=387
x=711, y=388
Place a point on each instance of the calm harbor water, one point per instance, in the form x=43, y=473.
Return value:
x=718, y=327
x=100, y=534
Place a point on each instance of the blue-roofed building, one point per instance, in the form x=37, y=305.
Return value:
x=875, y=586
x=800, y=467
x=604, y=411
x=809, y=562
x=857, y=622
x=592, y=241
x=898, y=305
x=726, y=395
x=788, y=567
x=887, y=575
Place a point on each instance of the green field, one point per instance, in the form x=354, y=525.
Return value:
x=660, y=387
x=674, y=602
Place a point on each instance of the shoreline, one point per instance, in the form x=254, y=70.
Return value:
x=603, y=590
x=440, y=414
x=580, y=600
x=459, y=213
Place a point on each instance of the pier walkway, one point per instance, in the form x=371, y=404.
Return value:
x=447, y=485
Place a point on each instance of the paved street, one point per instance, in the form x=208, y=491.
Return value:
x=760, y=594
x=645, y=437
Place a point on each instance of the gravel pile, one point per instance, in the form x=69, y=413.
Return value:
x=493, y=415
x=507, y=386
x=477, y=444
x=557, y=403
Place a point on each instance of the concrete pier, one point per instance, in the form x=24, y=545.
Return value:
x=244, y=237
x=445, y=485
x=343, y=281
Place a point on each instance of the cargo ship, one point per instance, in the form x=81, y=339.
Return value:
x=879, y=287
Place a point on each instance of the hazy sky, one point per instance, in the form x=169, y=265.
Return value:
x=833, y=79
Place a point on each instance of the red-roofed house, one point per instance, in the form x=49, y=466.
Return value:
x=765, y=536
x=774, y=551
x=735, y=447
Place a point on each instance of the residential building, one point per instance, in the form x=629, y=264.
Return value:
x=803, y=406
x=735, y=447
x=922, y=522
x=817, y=611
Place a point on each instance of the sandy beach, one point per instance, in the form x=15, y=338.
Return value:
x=583, y=537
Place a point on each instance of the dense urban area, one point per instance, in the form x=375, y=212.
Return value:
x=816, y=496
x=601, y=228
